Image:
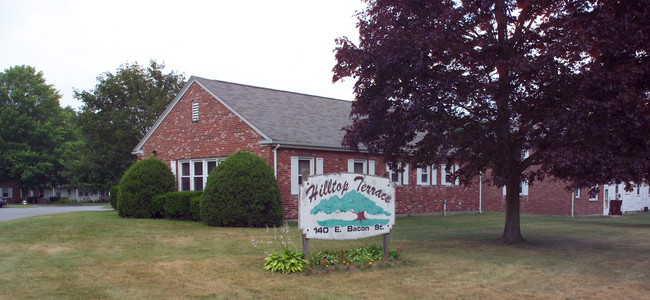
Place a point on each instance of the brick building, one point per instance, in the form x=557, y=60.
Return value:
x=297, y=133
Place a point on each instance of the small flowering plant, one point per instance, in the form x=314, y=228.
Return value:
x=359, y=257
x=282, y=256
x=281, y=240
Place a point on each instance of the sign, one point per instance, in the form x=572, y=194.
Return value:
x=344, y=206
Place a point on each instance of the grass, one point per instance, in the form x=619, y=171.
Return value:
x=97, y=255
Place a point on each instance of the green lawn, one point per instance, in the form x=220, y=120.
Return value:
x=101, y=256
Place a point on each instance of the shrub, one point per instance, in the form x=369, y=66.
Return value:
x=242, y=191
x=112, y=197
x=195, y=208
x=158, y=206
x=177, y=204
x=140, y=183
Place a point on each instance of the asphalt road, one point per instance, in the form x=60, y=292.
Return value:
x=10, y=213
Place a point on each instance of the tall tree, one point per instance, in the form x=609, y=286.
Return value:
x=33, y=129
x=116, y=115
x=482, y=83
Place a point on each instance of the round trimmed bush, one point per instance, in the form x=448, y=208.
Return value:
x=112, y=197
x=140, y=183
x=242, y=192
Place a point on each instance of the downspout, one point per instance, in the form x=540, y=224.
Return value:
x=480, y=192
x=275, y=160
x=572, y=200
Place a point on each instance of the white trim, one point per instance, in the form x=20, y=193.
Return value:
x=405, y=175
x=443, y=175
x=294, y=179
x=172, y=166
x=421, y=171
x=390, y=173
x=365, y=167
x=434, y=175
x=295, y=176
x=371, y=167
x=319, y=166
x=192, y=171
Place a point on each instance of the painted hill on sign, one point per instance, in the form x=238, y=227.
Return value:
x=352, y=201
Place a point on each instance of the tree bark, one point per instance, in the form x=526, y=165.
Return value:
x=512, y=231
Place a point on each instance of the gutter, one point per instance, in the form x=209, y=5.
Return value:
x=296, y=145
x=275, y=160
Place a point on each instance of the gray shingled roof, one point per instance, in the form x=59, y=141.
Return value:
x=285, y=117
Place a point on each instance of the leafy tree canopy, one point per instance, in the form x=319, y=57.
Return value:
x=117, y=114
x=483, y=82
x=36, y=134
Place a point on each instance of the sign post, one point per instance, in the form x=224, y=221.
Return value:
x=344, y=206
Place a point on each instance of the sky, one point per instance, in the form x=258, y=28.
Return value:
x=281, y=44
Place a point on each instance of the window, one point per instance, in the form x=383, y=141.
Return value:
x=523, y=189
x=195, y=111
x=305, y=167
x=399, y=178
x=423, y=175
x=577, y=193
x=6, y=192
x=194, y=173
x=593, y=196
x=301, y=165
x=361, y=166
x=446, y=176
x=198, y=175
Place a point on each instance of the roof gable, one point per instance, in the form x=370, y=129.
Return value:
x=279, y=116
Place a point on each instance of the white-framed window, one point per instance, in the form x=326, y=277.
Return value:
x=303, y=165
x=577, y=192
x=523, y=189
x=361, y=166
x=446, y=177
x=6, y=192
x=593, y=197
x=399, y=178
x=195, y=111
x=423, y=176
x=194, y=173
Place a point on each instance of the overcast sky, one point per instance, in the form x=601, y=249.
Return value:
x=280, y=44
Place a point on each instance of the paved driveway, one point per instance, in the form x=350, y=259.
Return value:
x=10, y=213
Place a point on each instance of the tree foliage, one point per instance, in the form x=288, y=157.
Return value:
x=37, y=137
x=117, y=114
x=483, y=82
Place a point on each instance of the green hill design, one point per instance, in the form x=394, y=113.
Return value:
x=351, y=202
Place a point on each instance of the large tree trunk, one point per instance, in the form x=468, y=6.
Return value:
x=512, y=231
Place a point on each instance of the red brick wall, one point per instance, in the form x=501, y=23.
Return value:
x=15, y=191
x=220, y=133
x=410, y=199
x=548, y=197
